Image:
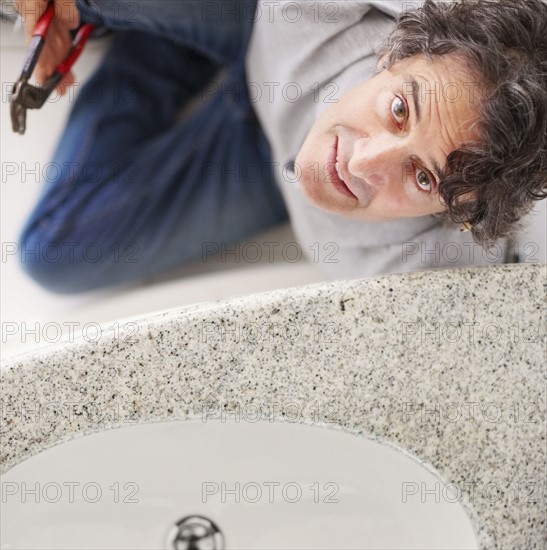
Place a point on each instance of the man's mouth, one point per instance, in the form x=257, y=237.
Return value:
x=334, y=171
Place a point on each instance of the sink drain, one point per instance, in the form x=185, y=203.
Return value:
x=195, y=533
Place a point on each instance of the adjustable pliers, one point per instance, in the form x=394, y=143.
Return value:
x=26, y=96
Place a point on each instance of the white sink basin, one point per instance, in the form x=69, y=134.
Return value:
x=298, y=486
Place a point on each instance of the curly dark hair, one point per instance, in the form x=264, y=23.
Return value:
x=504, y=44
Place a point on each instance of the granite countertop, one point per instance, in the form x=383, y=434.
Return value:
x=446, y=364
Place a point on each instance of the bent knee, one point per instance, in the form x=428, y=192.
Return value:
x=62, y=266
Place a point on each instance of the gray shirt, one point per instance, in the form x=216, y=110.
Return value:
x=302, y=57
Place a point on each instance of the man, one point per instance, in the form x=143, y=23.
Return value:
x=372, y=161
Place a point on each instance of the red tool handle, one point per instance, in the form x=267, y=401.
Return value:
x=43, y=23
x=37, y=41
x=76, y=50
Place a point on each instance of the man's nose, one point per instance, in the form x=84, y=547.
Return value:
x=377, y=160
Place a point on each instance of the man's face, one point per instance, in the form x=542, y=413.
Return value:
x=389, y=142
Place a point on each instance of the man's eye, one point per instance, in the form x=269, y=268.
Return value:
x=398, y=108
x=423, y=179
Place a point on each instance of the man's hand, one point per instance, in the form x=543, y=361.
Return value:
x=58, y=39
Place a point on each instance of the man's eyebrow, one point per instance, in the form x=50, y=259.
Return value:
x=436, y=169
x=408, y=78
x=414, y=92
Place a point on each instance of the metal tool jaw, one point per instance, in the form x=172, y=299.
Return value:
x=26, y=96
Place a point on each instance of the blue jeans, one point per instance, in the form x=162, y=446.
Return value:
x=135, y=191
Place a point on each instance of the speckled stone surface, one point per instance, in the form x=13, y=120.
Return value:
x=447, y=364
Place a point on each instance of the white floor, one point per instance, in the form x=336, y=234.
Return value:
x=25, y=307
